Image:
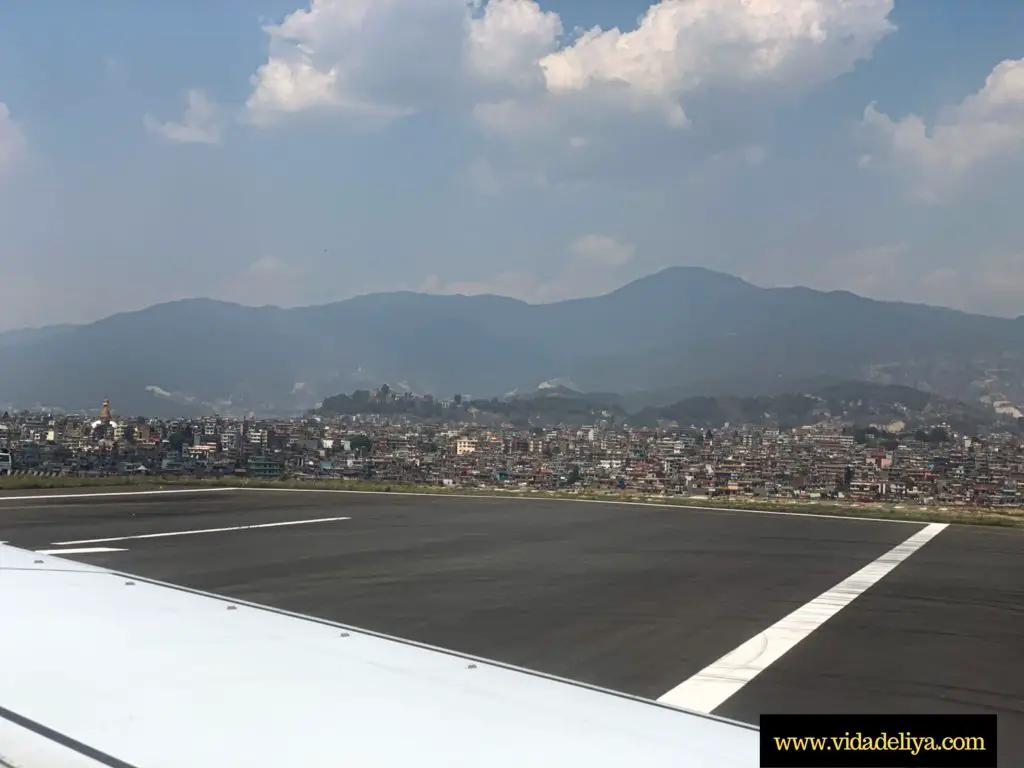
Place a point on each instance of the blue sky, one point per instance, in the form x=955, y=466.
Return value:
x=517, y=148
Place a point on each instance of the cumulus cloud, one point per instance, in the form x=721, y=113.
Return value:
x=201, y=123
x=507, y=42
x=12, y=139
x=377, y=59
x=683, y=48
x=985, y=126
x=386, y=58
x=685, y=45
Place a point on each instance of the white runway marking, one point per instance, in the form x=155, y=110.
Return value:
x=78, y=551
x=709, y=688
x=114, y=493
x=201, y=530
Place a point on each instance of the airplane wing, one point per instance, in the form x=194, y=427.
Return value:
x=99, y=668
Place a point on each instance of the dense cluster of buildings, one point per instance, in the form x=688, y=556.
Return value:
x=821, y=460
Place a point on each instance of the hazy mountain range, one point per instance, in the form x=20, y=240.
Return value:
x=679, y=333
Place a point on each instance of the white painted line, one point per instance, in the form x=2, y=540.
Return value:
x=78, y=551
x=710, y=687
x=115, y=493
x=201, y=530
x=532, y=497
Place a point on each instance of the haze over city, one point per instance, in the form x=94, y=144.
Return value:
x=274, y=152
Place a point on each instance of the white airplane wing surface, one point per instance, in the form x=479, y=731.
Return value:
x=103, y=668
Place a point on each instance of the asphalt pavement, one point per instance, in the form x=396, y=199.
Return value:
x=633, y=598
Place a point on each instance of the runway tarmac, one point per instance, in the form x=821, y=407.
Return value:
x=638, y=599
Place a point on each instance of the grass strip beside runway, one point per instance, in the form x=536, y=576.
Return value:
x=909, y=511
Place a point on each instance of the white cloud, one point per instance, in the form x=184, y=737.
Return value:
x=689, y=47
x=985, y=126
x=685, y=45
x=201, y=123
x=387, y=58
x=599, y=250
x=377, y=59
x=12, y=139
x=507, y=42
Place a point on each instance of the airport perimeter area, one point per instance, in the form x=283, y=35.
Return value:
x=739, y=613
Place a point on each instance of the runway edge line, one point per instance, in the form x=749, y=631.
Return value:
x=103, y=494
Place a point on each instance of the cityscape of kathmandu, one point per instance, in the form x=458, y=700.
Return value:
x=465, y=449
x=804, y=447
x=725, y=390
